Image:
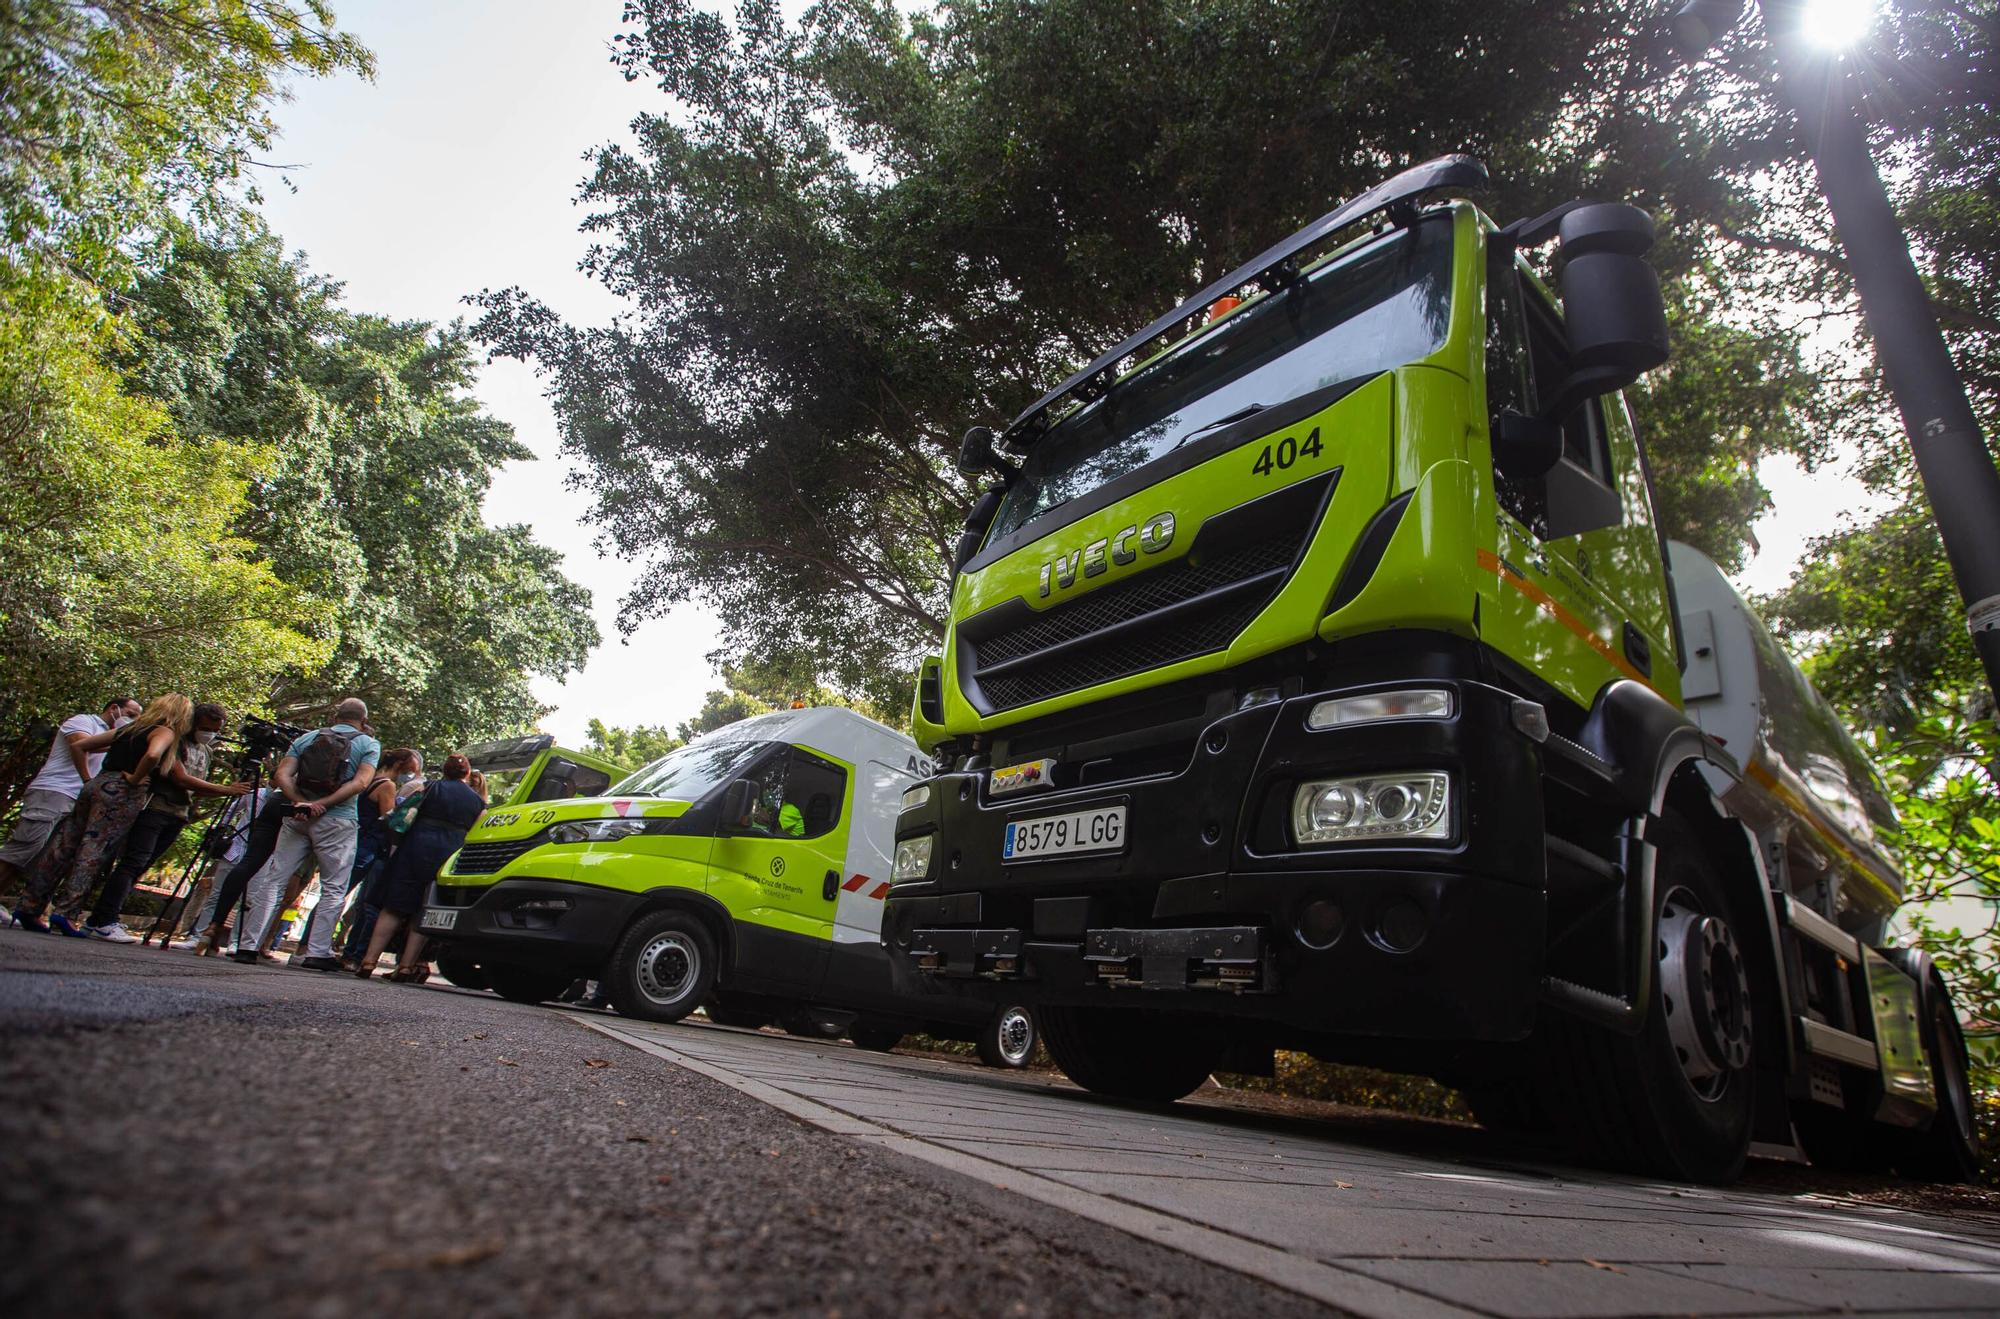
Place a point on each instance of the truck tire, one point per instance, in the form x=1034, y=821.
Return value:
x=1947, y=1150
x=1009, y=1039
x=663, y=967
x=1511, y=1108
x=875, y=1039
x=526, y=984
x=1675, y=1099
x=461, y=971
x=1131, y=1053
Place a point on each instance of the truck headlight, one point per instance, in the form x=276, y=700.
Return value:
x=917, y=796
x=1413, y=805
x=595, y=831
x=1378, y=707
x=913, y=858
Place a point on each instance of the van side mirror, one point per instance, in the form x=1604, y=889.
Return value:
x=977, y=522
x=737, y=799
x=1613, y=314
x=1524, y=447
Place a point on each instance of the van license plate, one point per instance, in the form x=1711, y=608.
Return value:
x=439, y=918
x=1098, y=830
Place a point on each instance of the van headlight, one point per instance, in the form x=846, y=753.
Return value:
x=913, y=858
x=1415, y=805
x=917, y=796
x=595, y=831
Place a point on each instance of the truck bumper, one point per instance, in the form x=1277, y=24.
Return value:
x=1211, y=908
x=530, y=921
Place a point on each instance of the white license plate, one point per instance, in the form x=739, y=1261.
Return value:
x=1101, y=829
x=438, y=918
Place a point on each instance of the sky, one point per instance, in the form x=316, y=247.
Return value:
x=455, y=171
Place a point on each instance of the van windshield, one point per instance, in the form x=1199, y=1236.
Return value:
x=692, y=772
x=1385, y=304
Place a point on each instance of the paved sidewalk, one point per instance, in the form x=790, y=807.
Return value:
x=1376, y=1231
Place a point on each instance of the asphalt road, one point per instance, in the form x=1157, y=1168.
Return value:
x=179, y=1135
x=182, y=1136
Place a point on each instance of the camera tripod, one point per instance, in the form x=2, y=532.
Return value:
x=206, y=859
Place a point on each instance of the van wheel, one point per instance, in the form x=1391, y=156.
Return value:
x=461, y=971
x=663, y=968
x=1676, y=1099
x=1009, y=1038
x=525, y=984
x=875, y=1039
x=1132, y=1053
x=1947, y=1150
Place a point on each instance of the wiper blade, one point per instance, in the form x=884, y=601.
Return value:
x=1220, y=422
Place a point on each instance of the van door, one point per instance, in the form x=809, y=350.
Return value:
x=780, y=877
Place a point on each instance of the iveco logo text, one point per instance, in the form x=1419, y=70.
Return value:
x=1154, y=535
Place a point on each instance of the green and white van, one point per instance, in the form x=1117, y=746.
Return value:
x=744, y=872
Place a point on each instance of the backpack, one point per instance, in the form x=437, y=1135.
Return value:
x=322, y=766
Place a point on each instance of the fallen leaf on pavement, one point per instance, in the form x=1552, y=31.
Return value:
x=1343, y=1186
x=1600, y=1264
x=597, y=1062
x=508, y=1062
x=639, y=1140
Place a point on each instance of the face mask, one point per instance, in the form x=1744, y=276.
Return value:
x=205, y=738
x=404, y=777
x=121, y=720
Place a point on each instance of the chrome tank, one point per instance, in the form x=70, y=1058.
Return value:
x=1807, y=788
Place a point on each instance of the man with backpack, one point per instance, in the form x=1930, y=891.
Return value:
x=320, y=775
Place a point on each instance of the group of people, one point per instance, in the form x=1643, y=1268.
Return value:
x=117, y=791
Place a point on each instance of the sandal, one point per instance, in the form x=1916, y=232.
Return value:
x=400, y=977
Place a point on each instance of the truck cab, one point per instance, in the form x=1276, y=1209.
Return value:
x=1314, y=680
x=744, y=871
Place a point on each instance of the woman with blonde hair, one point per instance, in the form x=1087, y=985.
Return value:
x=137, y=757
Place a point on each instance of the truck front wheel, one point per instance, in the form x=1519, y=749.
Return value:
x=1676, y=1099
x=663, y=968
x=1131, y=1054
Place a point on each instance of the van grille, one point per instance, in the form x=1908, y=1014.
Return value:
x=486, y=858
x=1013, y=656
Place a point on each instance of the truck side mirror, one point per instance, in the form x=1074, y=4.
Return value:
x=1613, y=314
x=1525, y=447
x=984, y=510
x=737, y=799
x=975, y=452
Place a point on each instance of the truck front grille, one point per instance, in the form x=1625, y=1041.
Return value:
x=487, y=858
x=1012, y=655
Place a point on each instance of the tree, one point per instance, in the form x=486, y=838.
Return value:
x=373, y=505
x=109, y=112
x=854, y=238
x=630, y=747
x=120, y=565
x=717, y=709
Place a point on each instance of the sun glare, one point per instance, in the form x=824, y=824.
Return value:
x=1839, y=24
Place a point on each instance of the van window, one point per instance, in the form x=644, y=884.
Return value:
x=799, y=795
x=562, y=779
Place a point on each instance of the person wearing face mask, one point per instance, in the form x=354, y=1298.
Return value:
x=175, y=787
x=52, y=794
x=399, y=776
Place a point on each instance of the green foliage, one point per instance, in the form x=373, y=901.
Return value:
x=717, y=709
x=120, y=563
x=373, y=506
x=850, y=239
x=1944, y=775
x=1302, y=1076
x=630, y=747
x=110, y=112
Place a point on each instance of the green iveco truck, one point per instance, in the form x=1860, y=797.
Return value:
x=1318, y=678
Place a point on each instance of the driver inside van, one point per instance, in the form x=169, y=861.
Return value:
x=774, y=816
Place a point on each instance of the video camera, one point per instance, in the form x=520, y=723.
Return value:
x=263, y=737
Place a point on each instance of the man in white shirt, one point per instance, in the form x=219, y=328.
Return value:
x=53, y=792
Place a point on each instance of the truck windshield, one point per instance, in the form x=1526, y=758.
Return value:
x=1380, y=306
x=692, y=772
